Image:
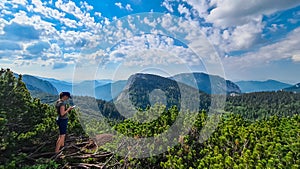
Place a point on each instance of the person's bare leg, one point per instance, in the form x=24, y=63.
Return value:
x=57, y=144
x=60, y=142
x=62, y=139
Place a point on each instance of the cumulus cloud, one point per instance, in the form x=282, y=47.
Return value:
x=233, y=13
x=127, y=6
x=232, y=25
x=153, y=49
x=17, y=32
x=19, y=2
x=119, y=4
x=48, y=32
x=59, y=31
x=167, y=5
x=296, y=57
x=287, y=48
x=38, y=7
x=184, y=10
x=244, y=36
x=86, y=6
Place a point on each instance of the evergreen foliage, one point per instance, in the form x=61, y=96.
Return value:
x=258, y=130
x=25, y=122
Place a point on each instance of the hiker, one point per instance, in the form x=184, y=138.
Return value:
x=62, y=119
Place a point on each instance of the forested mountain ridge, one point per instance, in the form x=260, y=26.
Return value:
x=205, y=82
x=295, y=88
x=143, y=90
x=36, y=85
x=261, y=105
x=28, y=134
x=60, y=85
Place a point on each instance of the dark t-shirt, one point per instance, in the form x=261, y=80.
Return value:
x=58, y=104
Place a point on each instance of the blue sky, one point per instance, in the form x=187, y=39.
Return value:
x=110, y=39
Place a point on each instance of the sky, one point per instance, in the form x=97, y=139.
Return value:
x=112, y=39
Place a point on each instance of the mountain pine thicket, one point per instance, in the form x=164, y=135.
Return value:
x=25, y=122
x=259, y=130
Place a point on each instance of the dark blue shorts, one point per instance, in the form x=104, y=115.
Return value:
x=62, y=124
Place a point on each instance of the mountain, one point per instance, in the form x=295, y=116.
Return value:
x=36, y=85
x=143, y=90
x=60, y=85
x=84, y=88
x=203, y=82
x=258, y=86
x=295, y=88
x=88, y=87
x=111, y=90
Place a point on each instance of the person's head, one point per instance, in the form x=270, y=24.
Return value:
x=65, y=95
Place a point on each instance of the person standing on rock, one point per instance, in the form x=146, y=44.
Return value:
x=62, y=118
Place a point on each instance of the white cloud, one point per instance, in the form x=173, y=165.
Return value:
x=246, y=35
x=200, y=6
x=287, y=48
x=184, y=10
x=276, y=27
x=167, y=5
x=239, y=12
x=119, y=4
x=45, y=11
x=154, y=49
x=19, y=2
x=99, y=14
x=128, y=7
x=86, y=6
x=148, y=22
x=46, y=28
x=64, y=43
x=2, y=5
x=3, y=22
x=236, y=25
x=70, y=8
x=296, y=57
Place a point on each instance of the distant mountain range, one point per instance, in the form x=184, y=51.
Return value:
x=108, y=90
x=258, y=86
x=60, y=85
x=84, y=88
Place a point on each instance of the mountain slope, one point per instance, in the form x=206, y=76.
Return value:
x=143, y=90
x=88, y=87
x=36, y=85
x=109, y=91
x=84, y=88
x=60, y=85
x=258, y=86
x=295, y=88
x=204, y=83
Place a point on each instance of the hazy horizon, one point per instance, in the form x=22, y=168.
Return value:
x=71, y=80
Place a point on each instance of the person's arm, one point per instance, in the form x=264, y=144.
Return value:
x=63, y=111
